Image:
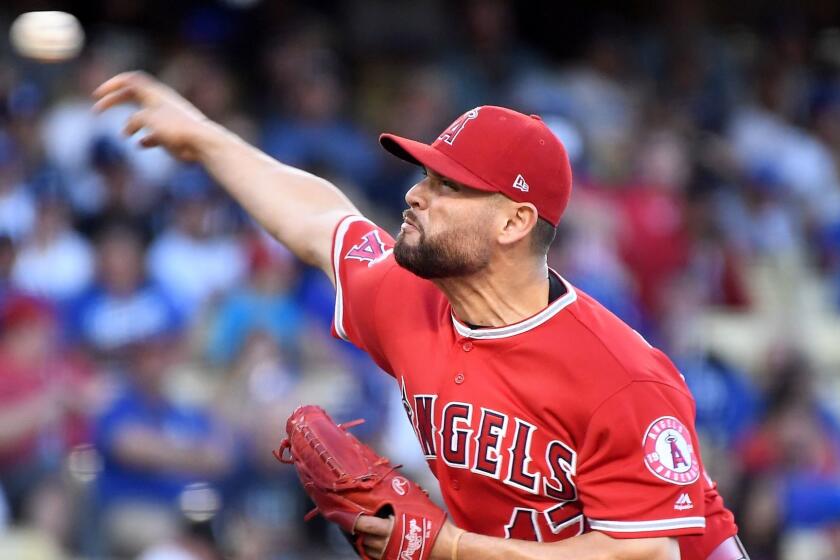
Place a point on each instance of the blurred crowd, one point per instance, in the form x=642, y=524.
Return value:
x=153, y=340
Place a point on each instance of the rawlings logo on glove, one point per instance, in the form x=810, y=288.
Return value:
x=414, y=539
x=346, y=479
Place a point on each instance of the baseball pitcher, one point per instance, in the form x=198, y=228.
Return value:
x=554, y=429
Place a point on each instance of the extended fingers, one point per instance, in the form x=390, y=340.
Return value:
x=123, y=88
x=135, y=122
x=150, y=141
x=116, y=97
x=120, y=81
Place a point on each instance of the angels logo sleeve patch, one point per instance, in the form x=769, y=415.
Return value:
x=369, y=249
x=669, y=453
x=639, y=469
x=361, y=260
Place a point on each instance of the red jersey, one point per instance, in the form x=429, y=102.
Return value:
x=566, y=422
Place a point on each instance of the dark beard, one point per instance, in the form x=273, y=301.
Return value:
x=439, y=257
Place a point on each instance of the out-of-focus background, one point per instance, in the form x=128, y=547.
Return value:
x=152, y=340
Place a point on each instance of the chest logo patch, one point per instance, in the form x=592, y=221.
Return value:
x=669, y=454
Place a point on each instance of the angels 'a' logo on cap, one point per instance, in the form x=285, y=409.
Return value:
x=450, y=134
x=669, y=453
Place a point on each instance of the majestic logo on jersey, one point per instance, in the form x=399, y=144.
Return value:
x=683, y=502
x=450, y=134
x=370, y=248
x=669, y=454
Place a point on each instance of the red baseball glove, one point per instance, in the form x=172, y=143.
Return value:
x=346, y=479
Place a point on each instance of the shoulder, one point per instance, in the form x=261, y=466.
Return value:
x=358, y=239
x=376, y=299
x=602, y=346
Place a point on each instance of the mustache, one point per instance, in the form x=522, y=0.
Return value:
x=409, y=216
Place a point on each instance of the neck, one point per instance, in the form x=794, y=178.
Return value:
x=502, y=294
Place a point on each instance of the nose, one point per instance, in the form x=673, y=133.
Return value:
x=417, y=196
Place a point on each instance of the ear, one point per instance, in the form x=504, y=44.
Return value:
x=520, y=219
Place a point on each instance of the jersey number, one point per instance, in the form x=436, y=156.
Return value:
x=528, y=524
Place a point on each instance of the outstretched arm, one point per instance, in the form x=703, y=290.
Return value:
x=299, y=209
x=471, y=546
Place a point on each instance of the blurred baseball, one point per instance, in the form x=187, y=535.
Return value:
x=47, y=36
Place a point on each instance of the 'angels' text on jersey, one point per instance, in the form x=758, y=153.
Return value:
x=500, y=446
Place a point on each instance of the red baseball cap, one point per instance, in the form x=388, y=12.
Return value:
x=497, y=150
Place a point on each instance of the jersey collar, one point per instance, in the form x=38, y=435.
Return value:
x=525, y=325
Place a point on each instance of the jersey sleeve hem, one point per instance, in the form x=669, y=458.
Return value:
x=338, y=243
x=654, y=528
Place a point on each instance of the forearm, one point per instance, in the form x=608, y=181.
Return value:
x=589, y=546
x=297, y=208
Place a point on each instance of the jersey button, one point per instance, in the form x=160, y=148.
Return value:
x=467, y=346
x=459, y=378
x=455, y=485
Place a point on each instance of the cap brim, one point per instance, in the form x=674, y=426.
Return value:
x=425, y=155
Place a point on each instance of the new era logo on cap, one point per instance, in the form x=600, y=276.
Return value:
x=493, y=149
x=520, y=183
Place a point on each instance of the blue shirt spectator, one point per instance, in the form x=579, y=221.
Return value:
x=153, y=447
x=122, y=307
x=247, y=311
x=727, y=403
x=121, y=480
x=332, y=146
x=108, y=321
x=267, y=303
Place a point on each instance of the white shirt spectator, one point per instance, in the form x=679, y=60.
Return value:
x=194, y=269
x=17, y=213
x=68, y=133
x=58, y=270
x=168, y=551
x=763, y=140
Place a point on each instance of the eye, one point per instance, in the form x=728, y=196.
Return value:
x=424, y=171
x=450, y=185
